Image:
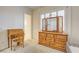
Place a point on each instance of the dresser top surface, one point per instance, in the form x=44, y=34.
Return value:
x=56, y=33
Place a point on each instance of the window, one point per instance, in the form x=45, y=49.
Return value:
x=61, y=13
x=53, y=14
x=47, y=15
x=42, y=17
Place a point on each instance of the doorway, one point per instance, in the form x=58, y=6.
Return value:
x=27, y=27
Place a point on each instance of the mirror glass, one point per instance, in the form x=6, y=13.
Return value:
x=60, y=24
x=52, y=24
x=43, y=24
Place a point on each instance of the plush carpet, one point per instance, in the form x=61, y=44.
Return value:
x=31, y=46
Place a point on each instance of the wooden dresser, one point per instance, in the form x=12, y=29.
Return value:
x=54, y=40
x=15, y=35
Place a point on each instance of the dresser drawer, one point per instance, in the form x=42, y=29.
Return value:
x=49, y=35
x=61, y=36
x=60, y=40
x=42, y=41
x=59, y=45
x=42, y=38
x=61, y=49
x=42, y=34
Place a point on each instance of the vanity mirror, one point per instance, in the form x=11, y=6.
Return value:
x=53, y=24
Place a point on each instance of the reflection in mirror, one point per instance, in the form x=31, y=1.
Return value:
x=60, y=24
x=52, y=24
x=43, y=24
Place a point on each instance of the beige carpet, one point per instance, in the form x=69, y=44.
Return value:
x=31, y=47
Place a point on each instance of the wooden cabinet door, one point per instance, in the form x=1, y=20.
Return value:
x=51, y=43
x=42, y=38
x=60, y=42
x=48, y=38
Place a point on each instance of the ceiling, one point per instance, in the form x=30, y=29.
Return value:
x=34, y=7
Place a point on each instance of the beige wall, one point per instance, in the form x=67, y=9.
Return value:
x=75, y=25
x=71, y=21
x=3, y=39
